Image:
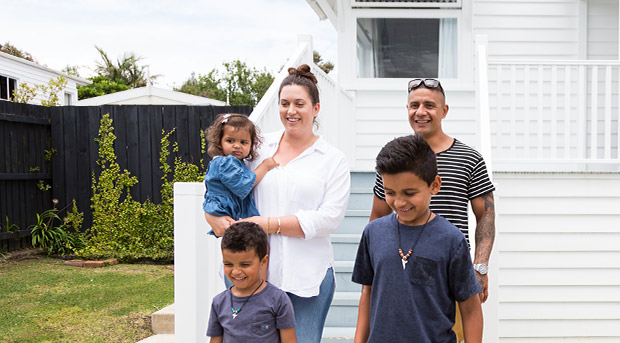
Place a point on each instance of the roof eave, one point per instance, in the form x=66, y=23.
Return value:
x=323, y=10
x=78, y=80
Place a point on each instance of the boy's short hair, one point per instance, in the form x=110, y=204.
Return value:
x=408, y=154
x=244, y=236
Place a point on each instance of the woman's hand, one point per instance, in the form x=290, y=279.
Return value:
x=262, y=222
x=218, y=224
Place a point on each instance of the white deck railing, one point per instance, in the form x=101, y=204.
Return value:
x=336, y=104
x=552, y=112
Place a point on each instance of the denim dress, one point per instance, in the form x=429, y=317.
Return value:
x=229, y=185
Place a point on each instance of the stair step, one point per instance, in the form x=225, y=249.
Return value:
x=162, y=321
x=344, y=266
x=353, y=223
x=338, y=334
x=345, y=246
x=346, y=238
x=344, y=270
x=358, y=213
x=346, y=299
x=343, y=310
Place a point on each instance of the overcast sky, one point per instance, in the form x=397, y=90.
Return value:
x=175, y=37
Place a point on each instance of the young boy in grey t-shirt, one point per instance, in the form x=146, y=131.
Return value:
x=252, y=310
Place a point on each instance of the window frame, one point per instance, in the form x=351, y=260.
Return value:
x=465, y=45
x=396, y=29
x=406, y=4
x=16, y=84
x=68, y=99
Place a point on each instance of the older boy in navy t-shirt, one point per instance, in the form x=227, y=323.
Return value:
x=413, y=265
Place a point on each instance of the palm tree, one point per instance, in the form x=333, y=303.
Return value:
x=126, y=70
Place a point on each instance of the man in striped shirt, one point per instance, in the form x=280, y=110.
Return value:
x=462, y=170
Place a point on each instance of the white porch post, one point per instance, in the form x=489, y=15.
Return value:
x=196, y=264
x=491, y=307
x=308, y=53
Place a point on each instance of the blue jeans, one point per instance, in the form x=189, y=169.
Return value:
x=310, y=313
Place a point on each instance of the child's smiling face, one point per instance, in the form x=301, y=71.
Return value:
x=236, y=142
x=409, y=196
x=243, y=269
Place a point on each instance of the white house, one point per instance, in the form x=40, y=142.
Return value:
x=15, y=71
x=149, y=95
x=534, y=86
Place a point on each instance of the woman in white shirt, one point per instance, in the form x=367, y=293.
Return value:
x=302, y=201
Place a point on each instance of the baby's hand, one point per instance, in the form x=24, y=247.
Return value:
x=270, y=163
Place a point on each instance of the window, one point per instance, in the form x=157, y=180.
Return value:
x=404, y=48
x=7, y=86
x=68, y=99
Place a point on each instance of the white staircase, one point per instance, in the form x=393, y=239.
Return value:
x=342, y=316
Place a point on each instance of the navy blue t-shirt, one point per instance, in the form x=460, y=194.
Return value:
x=415, y=304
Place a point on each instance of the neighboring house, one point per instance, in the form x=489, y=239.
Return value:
x=533, y=85
x=149, y=95
x=15, y=71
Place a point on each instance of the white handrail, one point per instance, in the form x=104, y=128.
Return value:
x=269, y=101
x=336, y=104
x=559, y=62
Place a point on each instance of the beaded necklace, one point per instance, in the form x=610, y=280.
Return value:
x=232, y=307
x=405, y=258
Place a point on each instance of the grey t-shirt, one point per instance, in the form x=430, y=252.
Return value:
x=259, y=319
x=415, y=304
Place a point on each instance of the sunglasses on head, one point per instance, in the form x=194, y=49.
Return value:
x=428, y=83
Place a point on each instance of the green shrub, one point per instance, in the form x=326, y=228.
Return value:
x=8, y=227
x=122, y=227
x=52, y=235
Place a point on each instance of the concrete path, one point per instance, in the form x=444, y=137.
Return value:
x=161, y=338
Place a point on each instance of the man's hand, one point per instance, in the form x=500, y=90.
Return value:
x=484, y=282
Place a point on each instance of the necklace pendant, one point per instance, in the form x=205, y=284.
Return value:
x=234, y=314
x=404, y=263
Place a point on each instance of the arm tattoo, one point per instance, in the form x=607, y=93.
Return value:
x=485, y=230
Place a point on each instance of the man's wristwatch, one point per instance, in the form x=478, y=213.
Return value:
x=481, y=268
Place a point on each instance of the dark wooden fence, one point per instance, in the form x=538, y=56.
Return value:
x=70, y=131
x=24, y=136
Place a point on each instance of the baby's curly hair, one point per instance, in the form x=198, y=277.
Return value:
x=215, y=132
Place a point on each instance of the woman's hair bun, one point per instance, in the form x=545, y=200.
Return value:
x=303, y=71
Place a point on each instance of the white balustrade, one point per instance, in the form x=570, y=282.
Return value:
x=550, y=112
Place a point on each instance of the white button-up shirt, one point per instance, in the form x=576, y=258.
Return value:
x=314, y=187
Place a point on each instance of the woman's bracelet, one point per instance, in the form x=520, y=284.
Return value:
x=268, y=225
x=279, y=226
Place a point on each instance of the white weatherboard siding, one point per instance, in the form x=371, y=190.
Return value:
x=381, y=116
x=32, y=74
x=602, y=31
x=529, y=29
x=558, y=245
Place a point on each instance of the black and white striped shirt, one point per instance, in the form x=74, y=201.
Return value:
x=463, y=177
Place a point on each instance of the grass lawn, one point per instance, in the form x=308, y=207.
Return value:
x=42, y=300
